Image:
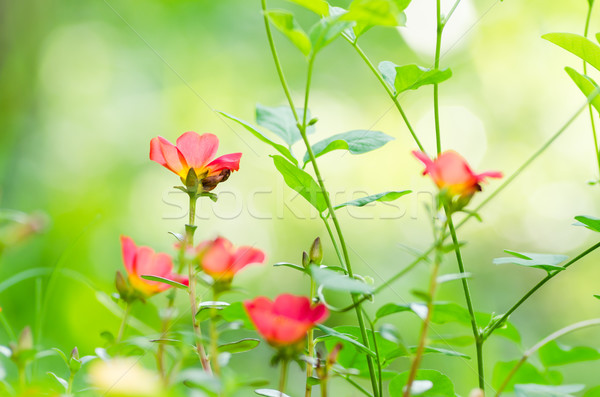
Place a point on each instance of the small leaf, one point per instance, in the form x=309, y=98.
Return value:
x=411, y=77
x=281, y=121
x=240, y=346
x=163, y=280
x=577, y=45
x=506, y=330
x=441, y=385
x=237, y=312
x=326, y=31
x=452, y=277
x=280, y=148
x=291, y=266
x=527, y=373
x=270, y=393
x=547, y=262
x=331, y=332
x=369, y=13
x=356, y=142
x=586, y=85
x=301, y=182
x=319, y=7
x=284, y=22
x=446, y=352
x=334, y=281
x=590, y=222
x=388, y=72
x=381, y=197
x=554, y=354
x=62, y=355
x=443, y=312
x=60, y=380
x=532, y=390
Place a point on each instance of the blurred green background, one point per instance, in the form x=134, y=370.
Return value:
x=85, y=85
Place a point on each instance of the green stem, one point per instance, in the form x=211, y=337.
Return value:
x=468, y=298
x=124, y=322
x=449, y=15
x=356, y=385
x=590, y=108
x=549, y=277
x=377, y=355
x=390, y=93
x=334, y=242
x=22, y=377
x=436, y=99
x=214, y=338
x=542, y=343
x=283, y=377
x=311, y=346
x=7, y=327
x=324, y=387
x=70, y=384
x=303, y=126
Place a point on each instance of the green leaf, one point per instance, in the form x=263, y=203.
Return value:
x=356, y=142
x=301, y=182
x=240, y=346
x=381, y=197
x=554, y=354
x=506, y=330
x=577, y=45
x=281, y=121
x=339, y=334
x=437, y=350
x=326, y=31
x=526, y=374
x=334, y=281
x=411, y=77
x=284, y=22
x=531, y=390
x=441, y=385
x=590, y=222
x=280, y=148
x=291, y=266
x=452, y=277
x=369, y=13
x=586, y=85
x=270, y=393
x=388, y=72
x=165, y=281
x=443, y=312
x=60, y=380
x=237, y=312
x=593, y=392
x=547, y=262
x=319, y=7
x=61, y=354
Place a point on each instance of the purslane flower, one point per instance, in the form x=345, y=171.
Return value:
x=197, y=152
x=285, y=321
x=452, y=174
x=143, y=261
x=221, y=260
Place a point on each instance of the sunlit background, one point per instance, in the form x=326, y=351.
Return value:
x=85, y=85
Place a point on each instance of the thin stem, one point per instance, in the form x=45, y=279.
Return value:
x=449, y=15
x=324, y=387
x=22, y=377
x=549, y=277
x=356, y=385
x=555, y=335
x=124, y=322
x=393, y=97
x=436, y=100
x=283, y=377
x=377, y=355
x=70, y=384
x=468, y=298
x=6, y=326
x=335, y=245
x=590, y=108
x=311, y=346
x=214, y=338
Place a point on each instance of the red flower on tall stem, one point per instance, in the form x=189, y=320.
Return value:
x=197, y=152
x=285, y=321
x=221, y=260
x=143, y=261
x=452, y=174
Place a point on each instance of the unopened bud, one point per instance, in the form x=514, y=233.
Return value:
x=122, y=286
x=25, y=340
x=313, y=121
x=305, y=260
x=316, y=251
x=75, y=353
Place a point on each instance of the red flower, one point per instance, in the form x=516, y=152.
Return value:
x=451, y=172
x=195, y=152
x=285, y=321
x=143, y=261
x=221, y=260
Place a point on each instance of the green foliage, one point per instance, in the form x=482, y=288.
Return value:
x=586, y=85
x=240, y=346
x=326, y=31
x=590, y=222
x=237, y=312
x=411, y=77
x=335, y=281
x=301, y=182
x=165, y=281
x=430, y=383
x=356, y=142
x=281, y=121
x=369, y=13
x=381, y=197
x=547, y=262
x=578, y=45
x=285, y=22
x=531, y=390
x=526, y=374
x=319, y=7
x=553, y=354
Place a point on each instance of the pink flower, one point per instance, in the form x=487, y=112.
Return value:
x=285, y=321
x=221, y=260
x=451, y=172
x=143, y=261
x=195, y=152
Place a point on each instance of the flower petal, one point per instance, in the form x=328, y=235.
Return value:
x=424, y=159
x=245, y=256
x=129, y=250
x=291, y=306
x=198, y=150
x=166, y=154
x=226, y=162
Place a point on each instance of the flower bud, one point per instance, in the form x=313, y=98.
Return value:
x=305, y=260
x=75, y=353
x=122, y=287
x=74, y=362
x=316, y=251
x=25, y=340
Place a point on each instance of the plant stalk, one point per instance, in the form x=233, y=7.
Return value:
x=283, y=377
x=124, y=322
